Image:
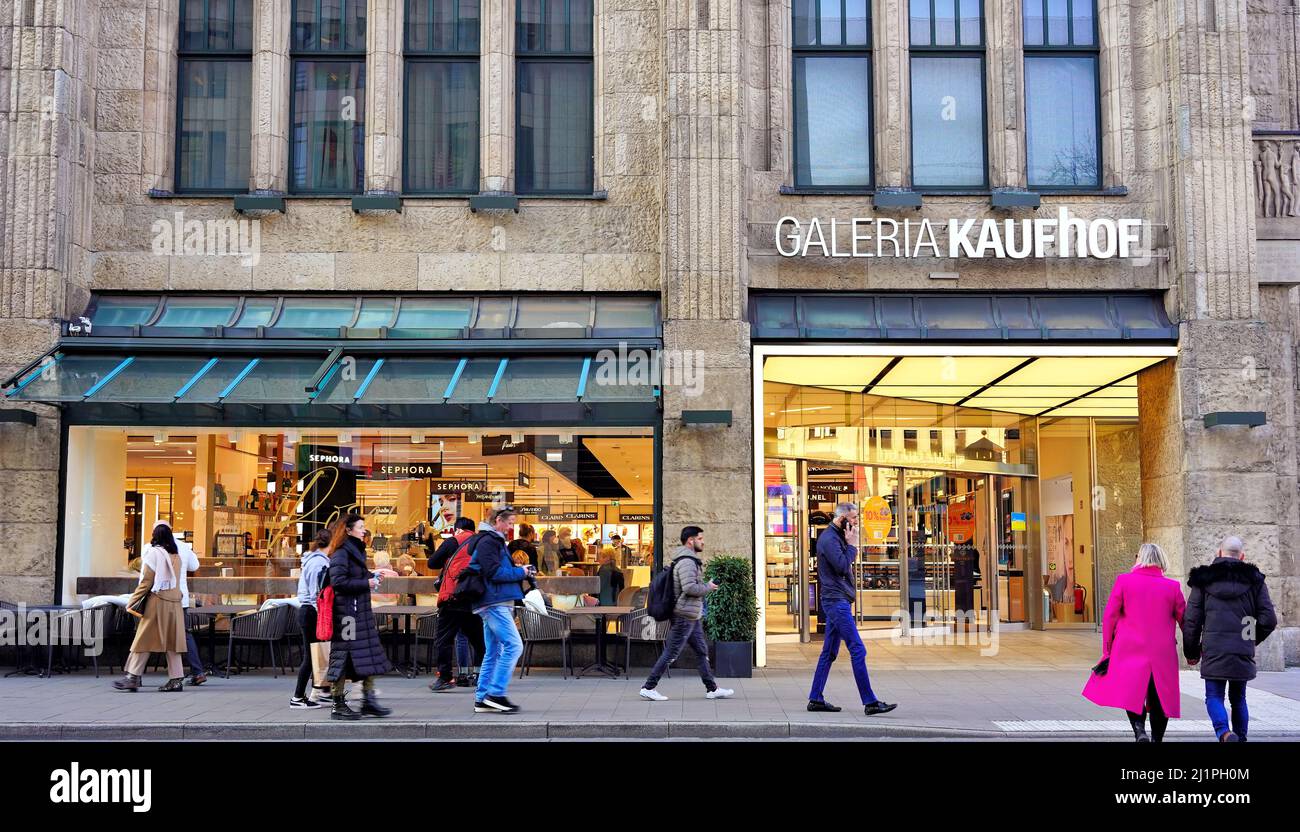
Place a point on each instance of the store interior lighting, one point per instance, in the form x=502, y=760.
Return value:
x=1083, y=385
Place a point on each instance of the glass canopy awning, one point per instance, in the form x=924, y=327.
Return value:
x=385, y=317
x=1115, y=317
x=333, y=379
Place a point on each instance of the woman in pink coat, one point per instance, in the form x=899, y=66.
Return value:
x=1138, y=638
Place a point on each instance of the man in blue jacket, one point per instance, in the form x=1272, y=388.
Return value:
x=835, y=578
x=502, y=645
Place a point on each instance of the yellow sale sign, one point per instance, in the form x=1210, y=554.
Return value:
x=876, y=518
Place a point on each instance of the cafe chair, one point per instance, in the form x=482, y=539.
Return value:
x=158, y=661
x=536, y=628
x=266, y=627
x=640, y=626
x=119, y=633
x=71, y=629
x=426, y=630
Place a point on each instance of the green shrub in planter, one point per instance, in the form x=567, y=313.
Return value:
x=731, y=615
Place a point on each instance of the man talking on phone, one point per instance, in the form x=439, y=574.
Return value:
x=835, y=575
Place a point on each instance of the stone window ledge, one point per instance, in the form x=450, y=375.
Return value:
x=1119, y=190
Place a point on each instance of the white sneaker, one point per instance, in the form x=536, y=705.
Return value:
x=720, y=693
x=653, y=695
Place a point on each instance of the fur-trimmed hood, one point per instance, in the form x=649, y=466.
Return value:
x=1226, y=577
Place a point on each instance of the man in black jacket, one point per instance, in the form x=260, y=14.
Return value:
x=1228, y=613
x=454, y=617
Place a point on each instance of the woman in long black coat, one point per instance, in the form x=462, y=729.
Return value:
x=356, y=652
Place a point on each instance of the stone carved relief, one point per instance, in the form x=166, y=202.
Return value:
x=1277, y=177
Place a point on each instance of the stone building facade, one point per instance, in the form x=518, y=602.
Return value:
x=694, y=157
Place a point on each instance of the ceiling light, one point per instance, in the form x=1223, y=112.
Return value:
x=554, y=456
x=160, y=437
x=417, y=438
x=236, y=435
x=567, y=439
x=345, y=437
x=517, y=438
x=474, y=438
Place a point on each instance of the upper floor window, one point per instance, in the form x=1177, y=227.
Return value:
x=442, y=97
x=214, y=96
x=947, y=68
x=554, y=115
x=832, y=93
x=328, y=50
x=1061, y=97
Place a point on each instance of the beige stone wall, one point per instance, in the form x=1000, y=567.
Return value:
x=50, y=77
x=708, y=472
x=1128, y=162
x=692, y=148
x=434, y=244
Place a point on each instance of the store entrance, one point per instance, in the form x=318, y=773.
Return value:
x=935, y=548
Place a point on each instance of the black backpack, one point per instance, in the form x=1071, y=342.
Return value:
x=663, y=600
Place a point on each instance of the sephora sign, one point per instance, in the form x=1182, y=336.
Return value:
x=1013, y=239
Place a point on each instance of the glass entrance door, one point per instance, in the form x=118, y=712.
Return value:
x=929, y=558
x=878, y=566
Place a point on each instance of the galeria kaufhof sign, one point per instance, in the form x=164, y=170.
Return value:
x=1013, y=239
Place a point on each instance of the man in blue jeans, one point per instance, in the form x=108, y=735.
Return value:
x=502, y=645
x=835, y=578
x=1228, y=613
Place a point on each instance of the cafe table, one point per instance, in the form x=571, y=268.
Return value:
x=213, y=611
x=601, y=614
x=406, y=612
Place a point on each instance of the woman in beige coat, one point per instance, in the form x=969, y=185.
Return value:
x=161, y=628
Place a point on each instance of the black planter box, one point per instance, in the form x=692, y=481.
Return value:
x=733, y=659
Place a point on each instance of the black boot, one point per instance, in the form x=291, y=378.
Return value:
x=1139, y=723
x=341, y=709
x=370, y=705
x=128, y=683
x=172, y=686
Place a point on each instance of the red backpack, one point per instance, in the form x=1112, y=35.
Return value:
x=325, y=607
x=451, y=572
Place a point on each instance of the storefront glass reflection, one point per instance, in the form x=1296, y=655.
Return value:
x=248, y=500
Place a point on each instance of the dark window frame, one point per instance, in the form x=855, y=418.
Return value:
x=317, y=54
x=206, y=55
x=458, y=54
x=820, y=50
x=1070, y=49
x=544, y=55
x=954, y=50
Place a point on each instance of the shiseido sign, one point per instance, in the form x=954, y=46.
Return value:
x=1012, y=239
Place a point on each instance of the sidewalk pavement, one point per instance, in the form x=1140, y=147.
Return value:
x=1028, y=690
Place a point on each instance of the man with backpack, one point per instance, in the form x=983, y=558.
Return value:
x=679, y=596
x=454, y=615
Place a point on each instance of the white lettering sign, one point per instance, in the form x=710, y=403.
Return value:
x=1009, y=239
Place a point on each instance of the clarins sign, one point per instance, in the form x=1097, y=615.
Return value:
x=1013, y=239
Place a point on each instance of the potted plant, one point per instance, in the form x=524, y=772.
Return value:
x=731, y=615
